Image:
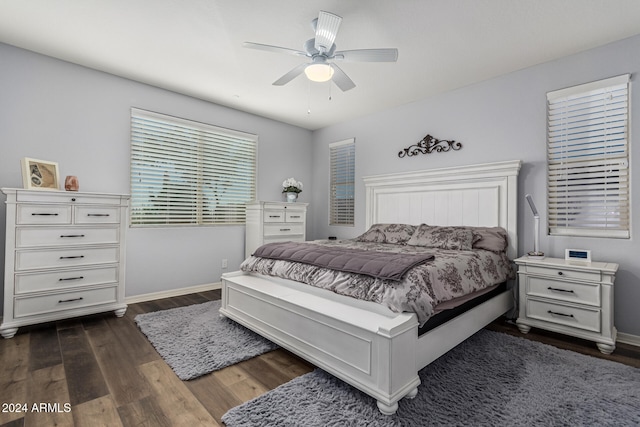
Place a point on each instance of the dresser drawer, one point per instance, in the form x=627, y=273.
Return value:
x=54, y=258
x=594, y=276
x=294, y=216
x=66, y=197
x=43, y=214
x=33, y=306
x=580, y=293
x=274, y=239
x=97, y=214
x=64, y=236
x=273, y=215
x=576, y=317
x=283, y=229
x=34, y=282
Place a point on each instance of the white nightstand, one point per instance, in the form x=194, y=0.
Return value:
x=569, y=298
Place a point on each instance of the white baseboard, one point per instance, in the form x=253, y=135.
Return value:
x=172, y=293
x=628, y=339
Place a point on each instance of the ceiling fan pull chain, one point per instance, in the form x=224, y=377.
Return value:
x=309, y=98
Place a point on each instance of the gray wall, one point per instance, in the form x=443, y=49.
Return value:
x=80, y=118
x=499, y=119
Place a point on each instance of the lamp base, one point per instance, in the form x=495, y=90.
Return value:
x=536, y=255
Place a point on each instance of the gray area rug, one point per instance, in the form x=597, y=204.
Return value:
x=194, y=340
x=492, y=379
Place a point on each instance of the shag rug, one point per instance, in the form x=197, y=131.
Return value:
x=194, y=340
x=492, y=379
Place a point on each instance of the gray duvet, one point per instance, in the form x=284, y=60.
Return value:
x=380, y=265
x=451, y=274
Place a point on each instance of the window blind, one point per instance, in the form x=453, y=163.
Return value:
x=588, y=159
x=343, y=167
x=189, y=173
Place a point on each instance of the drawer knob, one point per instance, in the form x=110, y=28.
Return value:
x=560, y=273
x=70, y=300
x=559, y=314
x=560, y=290
x=73, y=199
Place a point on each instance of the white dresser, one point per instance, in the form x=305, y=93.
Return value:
x=274, y=222
x=64, y=256
x=569, y=298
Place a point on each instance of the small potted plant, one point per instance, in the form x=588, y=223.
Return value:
x=291, y=188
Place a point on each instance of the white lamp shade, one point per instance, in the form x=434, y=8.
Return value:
x=319, y=72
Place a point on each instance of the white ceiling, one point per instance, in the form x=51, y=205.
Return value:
x=195, y=46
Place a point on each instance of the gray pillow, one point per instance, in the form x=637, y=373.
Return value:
x=443, y=237
x=494, y=239
x=387, y=233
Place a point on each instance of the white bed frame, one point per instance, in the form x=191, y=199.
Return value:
x=363, y=343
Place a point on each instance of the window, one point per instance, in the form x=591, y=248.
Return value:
x=189, y=173
x=588, y=159
x=343, y=167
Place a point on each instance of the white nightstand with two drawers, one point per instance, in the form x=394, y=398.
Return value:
x=569, y=298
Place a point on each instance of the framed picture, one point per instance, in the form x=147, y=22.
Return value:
x=40, y=174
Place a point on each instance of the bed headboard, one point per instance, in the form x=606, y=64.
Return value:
x=476, y=195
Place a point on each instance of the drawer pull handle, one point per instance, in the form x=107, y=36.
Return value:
x=71, y=278
x=97, y=214
x=559, y=314
x=285, y=229
x=274, y=216
x=560, y=290
x=72, y=257
x=72, y=235
x=44, y=214
x=70, y=300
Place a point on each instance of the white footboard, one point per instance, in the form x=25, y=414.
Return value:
x=373, y=350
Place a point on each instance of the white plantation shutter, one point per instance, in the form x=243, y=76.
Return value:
x=343, y=166
x=588, y=159
x=189, y=173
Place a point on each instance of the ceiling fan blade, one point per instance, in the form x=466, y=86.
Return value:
x=326, y=30
x=341, y=79
x=368, y=55
x=290, y=75
x=276, y=49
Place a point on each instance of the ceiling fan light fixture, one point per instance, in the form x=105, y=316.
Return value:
x=319, y=72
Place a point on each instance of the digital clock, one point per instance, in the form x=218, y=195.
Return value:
x=577, y=255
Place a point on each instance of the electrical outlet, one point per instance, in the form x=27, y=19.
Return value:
x=224, y=263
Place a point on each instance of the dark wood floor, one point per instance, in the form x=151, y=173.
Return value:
x=106, y=373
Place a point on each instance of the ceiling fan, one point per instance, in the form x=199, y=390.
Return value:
x=321, y=50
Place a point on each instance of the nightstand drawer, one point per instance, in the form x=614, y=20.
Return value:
x=33, y=306
x=64, y=236
x=54, y=258
x=576, y=317
x=57, y=280
x=43, y=214
x=283, y=229
x=97, y=214
x=580, y=293
x=594, y=276
x=274, y=215
x=66, y=197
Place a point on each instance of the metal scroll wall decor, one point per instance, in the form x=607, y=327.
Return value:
x=428, y=144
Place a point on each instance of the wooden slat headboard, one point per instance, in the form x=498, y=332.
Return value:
x=476, y=195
